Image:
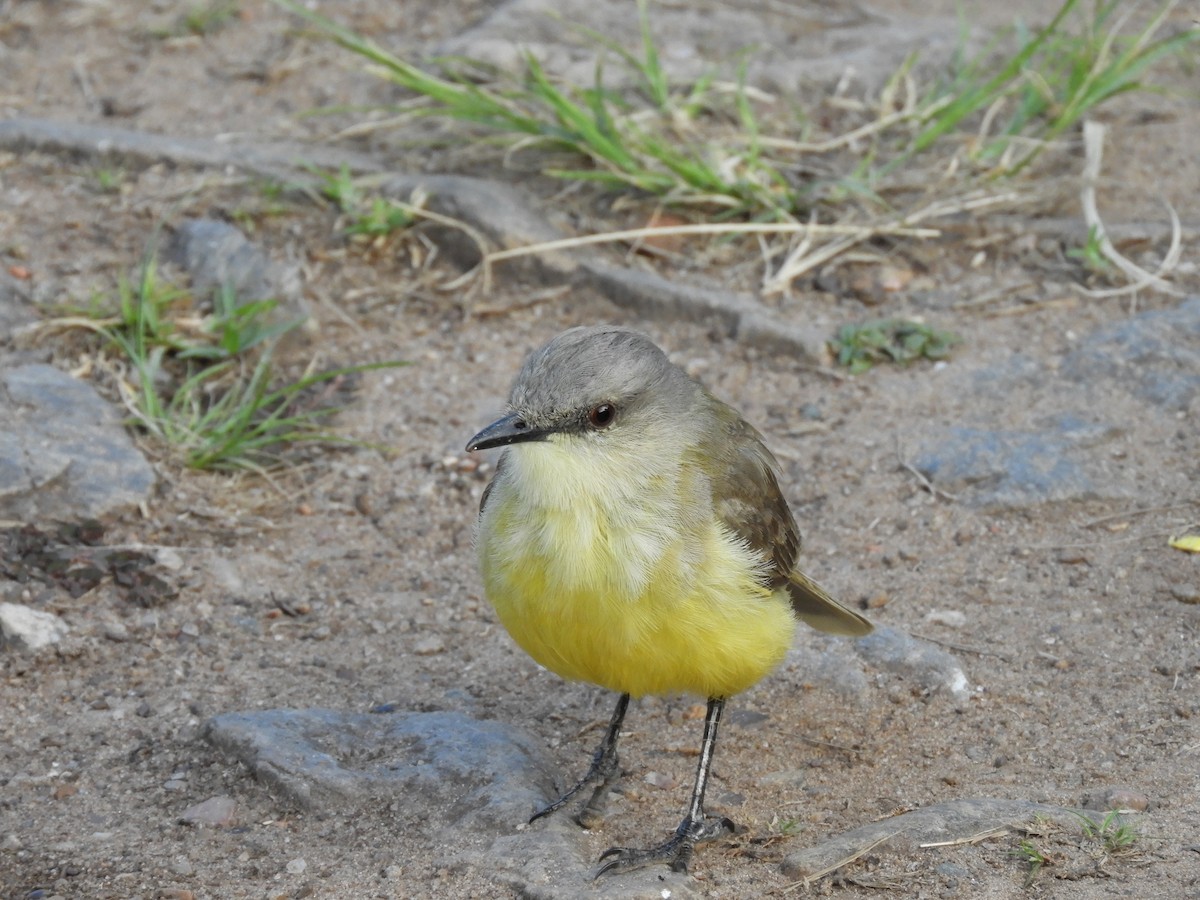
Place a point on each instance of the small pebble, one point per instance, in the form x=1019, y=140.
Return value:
x=29, y=629
x=297, y=866
x=168, y=558
x=182, y=866
x=1118, y=798
x=215, y=811
x=951, y=618
x=1186, y=593
x=429, y=646
x=659, y=780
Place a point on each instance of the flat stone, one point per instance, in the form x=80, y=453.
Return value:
x=830, y=663
x=952, y=821
x=741, y=316
x=1005, y=468
x=441, y=767
x=217, y=256
x=467, y=786
x=930, y=666
x=497, y=212
x=793, y=43
x=64, y=453
x=1154, y=355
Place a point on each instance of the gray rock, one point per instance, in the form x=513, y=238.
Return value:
x=930, y=666
x=1186, y=592
x=217, y=256
x=792, y=43
x=830, y=663
x=1117, y=798
x=273, y=159
x=999, y=468
x=441, y=767
x=498, y=213
x=740, y=316
x=1154, y=355
x=29, y=629
x=955, y=820
x=467, y=785
x=216, y=812
x=548, y=861
x=182, y=866
x=297, y=866
x=64, y=452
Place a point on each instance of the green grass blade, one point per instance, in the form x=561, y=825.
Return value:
x=981, y=96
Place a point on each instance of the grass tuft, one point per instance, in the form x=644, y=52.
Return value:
x=648, y=139
x=1054, y=79
x=1112, y=832
x=205, y=387
x=727, y=152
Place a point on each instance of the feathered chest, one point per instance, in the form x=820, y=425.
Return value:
x=594, y=521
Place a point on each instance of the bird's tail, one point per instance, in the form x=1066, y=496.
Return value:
x=815, y=607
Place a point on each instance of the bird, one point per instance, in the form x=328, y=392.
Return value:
x=635, y=536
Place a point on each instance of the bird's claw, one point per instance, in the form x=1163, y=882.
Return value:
x=676, y=853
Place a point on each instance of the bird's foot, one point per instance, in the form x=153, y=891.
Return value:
x=676, y=853
x=605, y=766
x=608, y=770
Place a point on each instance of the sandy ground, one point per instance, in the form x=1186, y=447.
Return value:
x=1078, y=632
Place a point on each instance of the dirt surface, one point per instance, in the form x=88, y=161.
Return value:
x=350, y=581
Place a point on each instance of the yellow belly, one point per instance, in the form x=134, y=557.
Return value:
x=627, y=590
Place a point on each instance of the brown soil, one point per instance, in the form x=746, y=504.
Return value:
x=1082, y=656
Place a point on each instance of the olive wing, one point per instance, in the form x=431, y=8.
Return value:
x=747, y=499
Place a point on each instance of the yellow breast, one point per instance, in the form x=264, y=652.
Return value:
x=617, y=573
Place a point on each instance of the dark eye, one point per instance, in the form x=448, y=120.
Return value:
x=602, y=416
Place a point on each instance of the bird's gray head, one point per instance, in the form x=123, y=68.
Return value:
x=591, y=379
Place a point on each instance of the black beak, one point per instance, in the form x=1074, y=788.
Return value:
x=512, y=429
